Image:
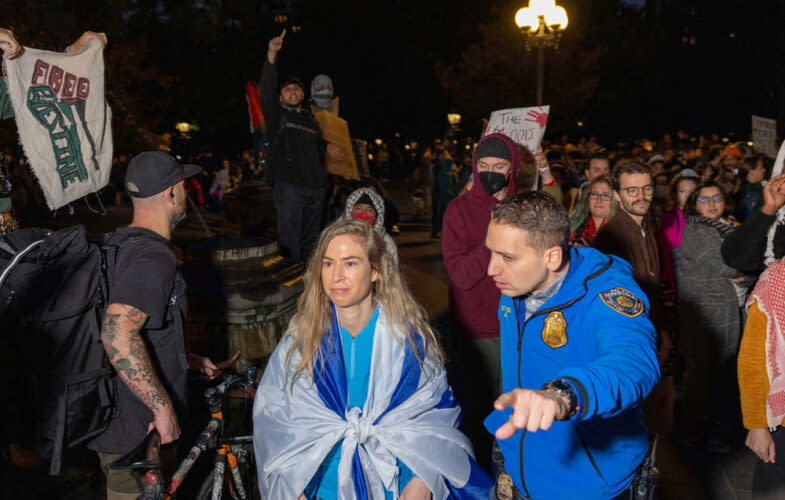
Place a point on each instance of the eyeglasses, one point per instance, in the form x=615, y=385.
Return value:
x=602, y=196
x=635, y=190
x=704, y=200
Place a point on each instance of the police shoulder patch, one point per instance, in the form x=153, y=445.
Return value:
x=623, y=301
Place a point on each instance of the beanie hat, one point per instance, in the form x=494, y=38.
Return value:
x=730, y=150
x=493, y=147
x=293, y=80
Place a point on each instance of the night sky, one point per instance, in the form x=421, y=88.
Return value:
x=625, y=69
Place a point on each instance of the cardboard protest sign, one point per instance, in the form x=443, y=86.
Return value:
x=336, y=131
x=764, y=135
x=63, y=120
x=525, y=126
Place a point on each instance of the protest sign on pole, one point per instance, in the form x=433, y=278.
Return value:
x=764, y=135
x=525, y=126
x=336, y=131
x=63, y=120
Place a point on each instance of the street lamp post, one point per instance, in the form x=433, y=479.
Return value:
x=542, y=24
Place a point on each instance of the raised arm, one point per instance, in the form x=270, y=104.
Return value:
x=745, y=248
x=84, y=39
x=128, y=354
x=8, y=43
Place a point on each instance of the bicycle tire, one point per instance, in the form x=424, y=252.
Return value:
x=248, y=473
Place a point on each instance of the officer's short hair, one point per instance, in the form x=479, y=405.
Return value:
x=543, y=218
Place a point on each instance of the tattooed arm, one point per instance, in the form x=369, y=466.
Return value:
x=128, y=354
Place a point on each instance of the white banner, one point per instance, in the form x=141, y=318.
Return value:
x=764, y=135
x=64, y=123
x=525, y=126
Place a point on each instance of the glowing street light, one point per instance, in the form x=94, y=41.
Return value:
x=542, y=24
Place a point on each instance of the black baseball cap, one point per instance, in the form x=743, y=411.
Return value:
x=151, y=172
x=293, y=80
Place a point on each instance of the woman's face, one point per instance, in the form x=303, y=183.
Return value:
x=707, y=174
x=710, y=203
x=683, y=191
x=600, y=200
x=346, y=272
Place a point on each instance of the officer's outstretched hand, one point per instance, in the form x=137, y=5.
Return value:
x=532, y=410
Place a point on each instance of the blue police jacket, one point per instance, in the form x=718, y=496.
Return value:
x=608, y=355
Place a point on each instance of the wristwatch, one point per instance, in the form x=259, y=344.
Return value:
x=564, y=388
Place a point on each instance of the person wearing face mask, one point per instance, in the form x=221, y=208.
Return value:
x=365, y=204
x=473, y=295
x=322, y=92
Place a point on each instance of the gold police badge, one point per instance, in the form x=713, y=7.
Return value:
x=504, y=487
x=554, y=330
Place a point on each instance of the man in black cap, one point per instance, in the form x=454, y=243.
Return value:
x=295, y=159
x=142, y=329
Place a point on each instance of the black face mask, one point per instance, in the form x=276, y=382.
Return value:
x=493, y=182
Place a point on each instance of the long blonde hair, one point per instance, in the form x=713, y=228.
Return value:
x=314, y=314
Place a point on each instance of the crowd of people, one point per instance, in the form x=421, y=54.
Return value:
x=568, y=302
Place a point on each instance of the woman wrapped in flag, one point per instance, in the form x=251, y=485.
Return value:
x=354, y=402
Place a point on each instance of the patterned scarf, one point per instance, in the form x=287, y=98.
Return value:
x=769, y=294
x=723, y=226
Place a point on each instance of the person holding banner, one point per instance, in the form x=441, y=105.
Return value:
x=294, y=159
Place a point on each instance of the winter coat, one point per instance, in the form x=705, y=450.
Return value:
x=609, y=356
x=473, y=294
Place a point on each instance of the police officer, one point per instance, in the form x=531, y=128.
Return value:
x=578, y=358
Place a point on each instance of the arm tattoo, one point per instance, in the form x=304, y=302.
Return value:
x=129, y=356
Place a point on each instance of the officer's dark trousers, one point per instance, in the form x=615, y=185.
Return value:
x=300, y=210
x=768, y=480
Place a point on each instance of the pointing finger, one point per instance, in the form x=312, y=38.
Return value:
x=503, y=401
x=505, y=431
x=283, y=34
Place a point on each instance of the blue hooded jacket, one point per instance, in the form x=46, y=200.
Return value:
x=609, y=357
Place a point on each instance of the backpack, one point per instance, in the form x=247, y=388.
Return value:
x=53, y=290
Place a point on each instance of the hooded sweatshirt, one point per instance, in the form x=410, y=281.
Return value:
x=378, y=205
x=474, y=297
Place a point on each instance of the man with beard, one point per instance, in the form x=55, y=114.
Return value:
x=728, y=176
x=295, y=158
x=142, y=329
x=631, y=234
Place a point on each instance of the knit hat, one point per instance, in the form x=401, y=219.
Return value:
x=493, y=147
x=293, y=80
x=730, y=150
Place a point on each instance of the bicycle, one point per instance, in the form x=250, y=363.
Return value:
x=238, y=480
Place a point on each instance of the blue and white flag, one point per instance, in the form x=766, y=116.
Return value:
x=410, y=415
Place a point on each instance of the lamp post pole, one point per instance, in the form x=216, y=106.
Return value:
x=540, y=73
x=540, y=33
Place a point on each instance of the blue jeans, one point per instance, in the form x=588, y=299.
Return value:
x=300, y=210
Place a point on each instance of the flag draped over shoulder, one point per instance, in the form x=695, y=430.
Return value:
x=409, y=415
x=63, y=119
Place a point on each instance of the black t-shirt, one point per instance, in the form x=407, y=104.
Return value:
x=145, y=276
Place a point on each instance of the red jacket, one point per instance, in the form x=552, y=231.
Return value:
x=474, y=298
